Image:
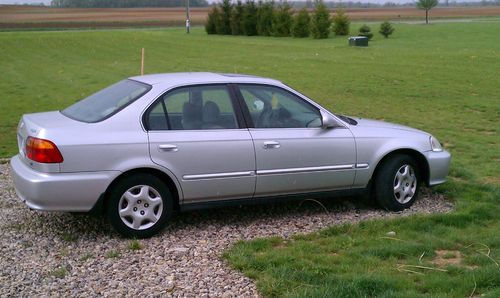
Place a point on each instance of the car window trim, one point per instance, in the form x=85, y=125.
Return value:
x=165, y=114
x=236, y=108
x=246, y=111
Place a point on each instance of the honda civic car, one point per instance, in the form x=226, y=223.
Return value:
x=147, y=146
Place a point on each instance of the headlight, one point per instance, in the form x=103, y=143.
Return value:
x=435, y=145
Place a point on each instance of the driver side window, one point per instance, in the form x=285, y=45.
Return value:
x=273, y=107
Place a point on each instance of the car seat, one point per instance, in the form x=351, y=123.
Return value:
x=211, y=114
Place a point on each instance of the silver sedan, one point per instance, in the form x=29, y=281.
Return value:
x=149, y=145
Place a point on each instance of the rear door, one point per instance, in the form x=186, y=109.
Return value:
x=196, y=132
x=293, y=153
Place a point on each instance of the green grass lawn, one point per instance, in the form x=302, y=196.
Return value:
x=443, y=78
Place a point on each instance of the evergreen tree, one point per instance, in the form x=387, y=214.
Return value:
x=282, y=20
x=365, y=31
x=341, y=23
x=224, y=26
x=212, y=20
x=386, y=29
x=321, y=21
x=265, y=18
x=301, y=21
x=237, y=19
x=250, y=18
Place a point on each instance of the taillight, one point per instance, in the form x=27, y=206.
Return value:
x=43, y=151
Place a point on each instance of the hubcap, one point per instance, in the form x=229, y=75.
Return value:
x=140, y=207
x=405, y=184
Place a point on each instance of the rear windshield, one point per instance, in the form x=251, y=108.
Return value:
x=106, y=102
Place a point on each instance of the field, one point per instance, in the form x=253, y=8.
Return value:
x=12, y=17
x=47, y=17
x=442, y=78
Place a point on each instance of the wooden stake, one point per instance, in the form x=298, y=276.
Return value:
x=142, y=62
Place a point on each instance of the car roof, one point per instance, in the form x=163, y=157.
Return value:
x=188, y=78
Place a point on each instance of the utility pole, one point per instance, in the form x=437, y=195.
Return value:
x=188, y=21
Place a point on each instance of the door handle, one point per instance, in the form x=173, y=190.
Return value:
x=168, y=147
x=271, y=145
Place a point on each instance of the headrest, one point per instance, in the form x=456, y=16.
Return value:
x=211, y=112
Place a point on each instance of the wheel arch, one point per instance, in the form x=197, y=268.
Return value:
x=166, y=178
x=422, y=163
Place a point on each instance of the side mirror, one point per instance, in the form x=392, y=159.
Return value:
x=327, y=120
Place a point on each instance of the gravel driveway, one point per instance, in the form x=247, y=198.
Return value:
x=62, y=254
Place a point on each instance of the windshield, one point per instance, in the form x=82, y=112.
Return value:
x=106, y=102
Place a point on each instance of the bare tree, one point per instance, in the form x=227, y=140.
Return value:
x=427, y=5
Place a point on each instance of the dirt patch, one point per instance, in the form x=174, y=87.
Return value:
x=446, y=258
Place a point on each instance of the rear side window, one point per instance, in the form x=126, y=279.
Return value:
x=193, y=108
x=106, y=102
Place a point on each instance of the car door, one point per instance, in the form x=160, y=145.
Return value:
x=195, y=132
x=293, y=153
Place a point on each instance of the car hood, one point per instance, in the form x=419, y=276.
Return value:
x=382, y=124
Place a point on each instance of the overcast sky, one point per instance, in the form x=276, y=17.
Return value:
x=210, y=1
x=373, y=1
x=23, y=1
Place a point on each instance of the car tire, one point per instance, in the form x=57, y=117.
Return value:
x=139, y=206
x=397, y=183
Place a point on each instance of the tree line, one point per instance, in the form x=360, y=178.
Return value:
x=126, y=3
x=266, y=18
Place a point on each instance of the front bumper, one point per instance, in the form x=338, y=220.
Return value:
x=439, y=165
x=59, y=191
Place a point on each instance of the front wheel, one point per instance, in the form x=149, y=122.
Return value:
x=397, y=183
x=139, y=206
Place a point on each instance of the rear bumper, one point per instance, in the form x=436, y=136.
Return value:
x=439, y=165
x=59, y=191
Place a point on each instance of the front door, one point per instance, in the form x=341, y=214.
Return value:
x=293, y=153
x=194, y=132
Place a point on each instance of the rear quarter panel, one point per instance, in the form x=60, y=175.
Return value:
x=118, y=143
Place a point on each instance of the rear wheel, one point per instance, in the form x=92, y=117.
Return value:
x=397, y=183
x=139, y=206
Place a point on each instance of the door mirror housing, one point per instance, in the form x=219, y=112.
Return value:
x=327, y=120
